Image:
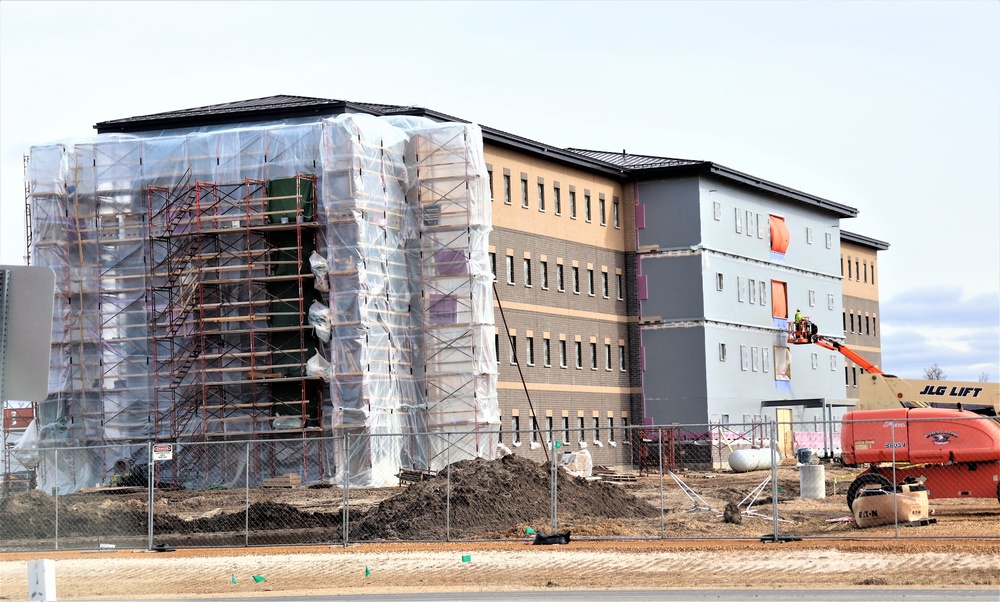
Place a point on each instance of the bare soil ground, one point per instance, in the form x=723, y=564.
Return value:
x=496, y=501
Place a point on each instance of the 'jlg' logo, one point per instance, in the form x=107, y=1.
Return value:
x=943, y=391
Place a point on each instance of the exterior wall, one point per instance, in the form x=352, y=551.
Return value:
x=706, y=266
x=860, y=319
x=547, y=240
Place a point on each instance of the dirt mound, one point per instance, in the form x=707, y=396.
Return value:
x=493, y=496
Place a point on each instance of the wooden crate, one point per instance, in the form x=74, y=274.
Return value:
x=285, y=480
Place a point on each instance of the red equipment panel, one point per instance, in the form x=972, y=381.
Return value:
x=17, y=418
x=919, y=435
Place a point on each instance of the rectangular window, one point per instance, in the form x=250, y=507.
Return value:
x=611, y=428
x=593, y=356
x=765, y=359
x=604, y=284
x=572, y=204
x=763, y=293
x=830, y=301
x=744, y=358
x=621, y=358
x=847, y=376
x=515, y=425
x=866, y=271
x=543, y=268
x=833, y=363
x=510, y=269
x=524, y=191
x=750, y=224
x=852, y=323
x=601, y=211
x=513, y=350
x=782, y=363
x=619, y=286
x=556, y=200
x=854, y=376
x=541, y=196
x=547, y=352
x=755, y=358
x=565, y=429
x=586, y=207
x=616, y=216
x=597, y=428
x=493, y=264
x=844, y=316
x=562, y=353
x=779, y=300
x=576, y=280
x=625, y=438
x=496, y=343
x=829, y=240
x=534, y=429
x=527, y=272
x=506, y=189
x=580, y=432
x=741, y=286
x=578, y=347
x=760, y=226
x=718, y=281
x=607, y=356
x=874, y=331
x=590, y=282
x=815, y=361
x=809, y=236
x=717, y=211
x=779, y=234
x=753, y=291
x=560, y=280
x=722, y=352
x=857, y=270
x=739, y=221
x=548, y=429
x=812, y=298
x=489, y=180
x=850, y=274
x=530, y=348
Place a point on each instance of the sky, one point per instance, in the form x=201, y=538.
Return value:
x=892, y=108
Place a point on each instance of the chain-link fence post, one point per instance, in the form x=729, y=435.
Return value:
x=150, y=496
x=663, y=520
x=553, y=483
x=447, y=508
x=55, y=495
x=895, y=501
x=774, y=478
x=345, y=480
x=246, y=508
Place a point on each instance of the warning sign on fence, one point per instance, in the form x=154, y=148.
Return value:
x=163, y=451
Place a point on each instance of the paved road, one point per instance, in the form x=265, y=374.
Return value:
x=723, y=595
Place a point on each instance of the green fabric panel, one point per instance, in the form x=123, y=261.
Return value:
x=285, y=208
x=285, y=257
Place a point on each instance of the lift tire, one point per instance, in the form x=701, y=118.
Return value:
x=863, y=481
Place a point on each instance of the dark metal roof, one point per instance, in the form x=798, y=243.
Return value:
x=633, y=161
x=620, y=165
x=646, y=167
x=860, y=239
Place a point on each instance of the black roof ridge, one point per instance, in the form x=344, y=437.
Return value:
x=627, y=154
x=273, y=107
x=863, y=240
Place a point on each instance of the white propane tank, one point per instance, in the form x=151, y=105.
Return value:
x=747, y=460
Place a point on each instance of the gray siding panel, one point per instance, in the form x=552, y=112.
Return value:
x=674, y=385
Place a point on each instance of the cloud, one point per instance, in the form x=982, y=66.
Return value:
x=961, y=334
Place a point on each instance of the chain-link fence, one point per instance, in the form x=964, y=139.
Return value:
x=924, y=474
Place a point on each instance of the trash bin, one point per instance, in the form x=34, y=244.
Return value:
x=812, y=481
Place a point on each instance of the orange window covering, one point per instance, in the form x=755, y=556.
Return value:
x=779, y=234
x=779, y=304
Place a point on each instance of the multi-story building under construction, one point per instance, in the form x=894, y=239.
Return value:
x=297, y=268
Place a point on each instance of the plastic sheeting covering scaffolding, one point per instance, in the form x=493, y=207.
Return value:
x=184, y=290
